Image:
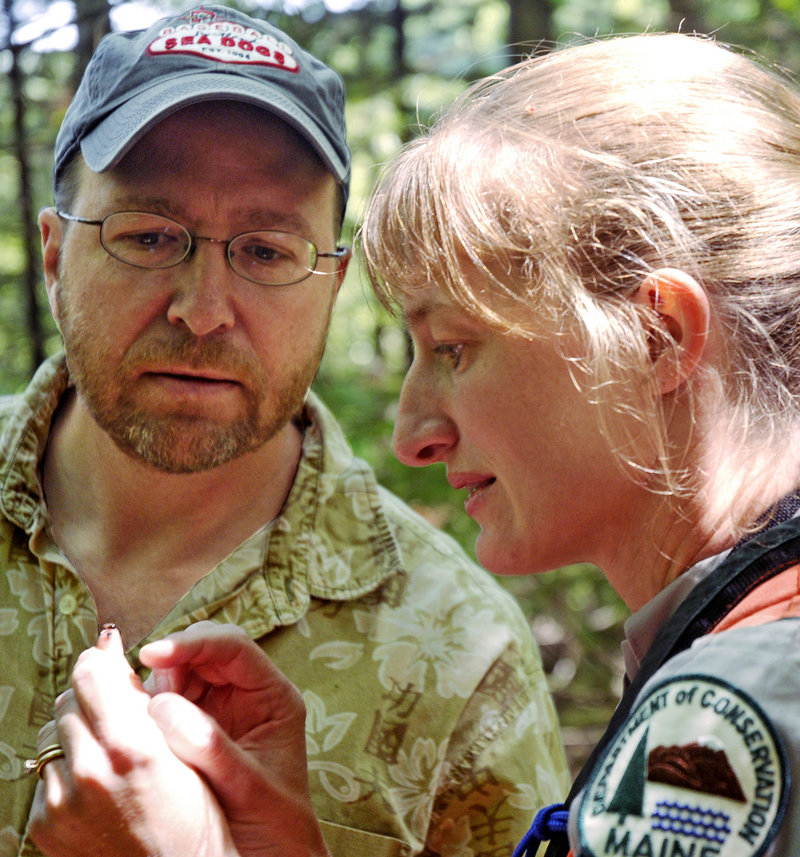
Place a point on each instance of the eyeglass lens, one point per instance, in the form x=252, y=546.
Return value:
x=153, y=241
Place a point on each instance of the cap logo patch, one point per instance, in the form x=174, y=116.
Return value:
x=205, y=35
x=697, y=771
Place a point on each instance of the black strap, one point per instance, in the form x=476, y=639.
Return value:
x=760, y=558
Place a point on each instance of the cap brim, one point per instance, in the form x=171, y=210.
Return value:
x=107, y=143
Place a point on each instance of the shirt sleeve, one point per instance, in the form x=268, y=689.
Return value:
x=505, y=760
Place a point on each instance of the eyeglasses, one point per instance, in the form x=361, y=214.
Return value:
x=146, y=240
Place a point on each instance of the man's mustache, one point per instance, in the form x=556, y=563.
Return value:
x=191, y=351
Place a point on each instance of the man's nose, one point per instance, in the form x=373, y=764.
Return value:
x=204, y=286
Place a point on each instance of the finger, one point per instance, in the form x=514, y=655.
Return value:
x=48, y=735
x=110, y=639
x=221, y=654
x=219, y=651
x=166, y=680
x=49, y=781
x=84, y=757
x=62, y=790
x=198, y=741
x=105, y=662
x=267, y=774
x=93, y=807
x=227, y=675
x=182, y=679
x=111, y=697
x=188, y=730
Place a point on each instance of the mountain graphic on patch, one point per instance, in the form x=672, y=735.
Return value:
x=697, y=767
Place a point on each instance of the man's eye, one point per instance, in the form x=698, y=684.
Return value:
x=261, y=253
x=151, y=239
x=264, y=254
x=146, y=246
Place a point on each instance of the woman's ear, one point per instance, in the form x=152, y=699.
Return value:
x=682, y=310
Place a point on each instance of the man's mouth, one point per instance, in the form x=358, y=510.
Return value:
x=191, y=378
x=204, y=375
x=180, y=383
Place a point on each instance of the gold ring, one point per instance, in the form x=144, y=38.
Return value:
x=52, y=751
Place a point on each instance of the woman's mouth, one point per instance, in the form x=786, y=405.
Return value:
x=478, y=486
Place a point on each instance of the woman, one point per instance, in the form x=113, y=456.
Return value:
x=597, y=253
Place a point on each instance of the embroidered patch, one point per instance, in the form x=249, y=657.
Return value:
x=206, y=35
x=696, y=771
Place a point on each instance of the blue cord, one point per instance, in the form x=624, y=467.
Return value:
x=552, y=819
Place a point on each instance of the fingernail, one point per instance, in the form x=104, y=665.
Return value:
x=108, y=634
x=161, y=682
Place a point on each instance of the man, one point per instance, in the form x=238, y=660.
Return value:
x=173, y=466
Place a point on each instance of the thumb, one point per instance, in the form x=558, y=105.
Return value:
x=197, y=740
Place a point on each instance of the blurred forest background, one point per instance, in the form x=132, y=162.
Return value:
x=401, y=61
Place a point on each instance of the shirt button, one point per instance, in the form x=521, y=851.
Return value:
x=67, y=604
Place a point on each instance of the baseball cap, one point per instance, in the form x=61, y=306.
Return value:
x=136, y=79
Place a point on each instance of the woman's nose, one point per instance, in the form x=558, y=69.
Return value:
x=423, y=432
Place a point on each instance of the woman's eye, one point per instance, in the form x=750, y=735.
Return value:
x=451, y=352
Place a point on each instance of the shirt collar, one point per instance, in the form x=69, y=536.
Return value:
x=642, y=626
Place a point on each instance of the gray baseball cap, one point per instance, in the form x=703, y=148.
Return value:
x=134, y=80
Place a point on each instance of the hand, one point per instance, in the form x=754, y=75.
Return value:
x=248, y=741
x=119, y=789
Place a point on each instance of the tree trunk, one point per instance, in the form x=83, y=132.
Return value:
x=93, y=22
x=30, y=234
x=529, y=23
x=684, y=17
x=398, y=17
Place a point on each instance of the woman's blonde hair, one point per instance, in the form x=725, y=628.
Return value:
x=559, y=184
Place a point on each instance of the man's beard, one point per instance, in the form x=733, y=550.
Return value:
x=174, y=439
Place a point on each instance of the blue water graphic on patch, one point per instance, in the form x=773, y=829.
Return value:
x=688, y=820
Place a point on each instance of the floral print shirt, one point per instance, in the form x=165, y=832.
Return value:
x=430, y=729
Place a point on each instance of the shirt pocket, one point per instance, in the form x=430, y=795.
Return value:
x=347, y=841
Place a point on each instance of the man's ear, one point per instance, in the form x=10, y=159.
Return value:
x=341, y=270
x=51, y=226
x=683, y=314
